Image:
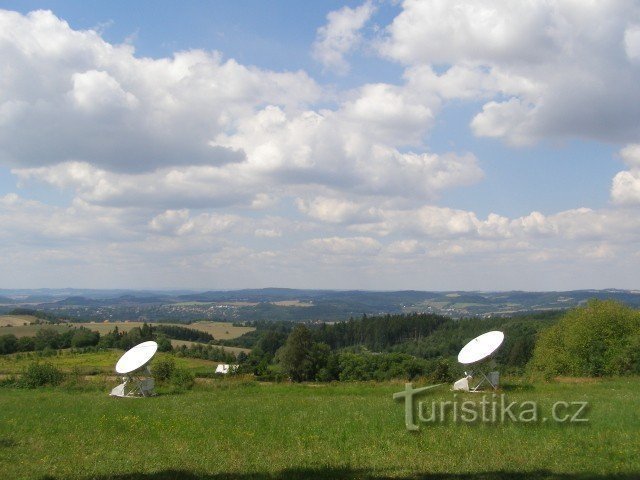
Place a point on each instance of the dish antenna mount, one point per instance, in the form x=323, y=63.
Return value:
x=479, y=354
x=134, y=366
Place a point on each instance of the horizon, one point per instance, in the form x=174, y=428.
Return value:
x=358, y=145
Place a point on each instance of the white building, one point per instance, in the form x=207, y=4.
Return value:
x=225, y=368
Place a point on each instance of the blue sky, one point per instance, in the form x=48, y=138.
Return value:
x=385, y=145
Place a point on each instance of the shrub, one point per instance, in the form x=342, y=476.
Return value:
x=182, y=379
x=596, y=340
x=41, y=374
x=164, y=369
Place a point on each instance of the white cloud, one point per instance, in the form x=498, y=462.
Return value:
x=71, y=96
x=548, y=65
x=184, y=166
x=632, y=42
x=341, y=35
x=180, y=222
x=625, y=187
x=358, y=246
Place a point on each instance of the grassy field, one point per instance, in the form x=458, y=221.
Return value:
x=219, y=330
x=250, y=431
x=14, y=320
x=93, y=363
x=234, y=350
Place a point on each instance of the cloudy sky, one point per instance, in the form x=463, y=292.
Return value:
x=431, y=144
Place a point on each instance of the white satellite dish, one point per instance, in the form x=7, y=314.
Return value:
x=479, y=351
x=137, y=357
x=480, y=347
x=134, y=365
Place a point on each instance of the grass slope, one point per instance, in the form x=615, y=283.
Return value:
x=219, y=330
x=15, y=320
x=234, y=350
x=93, y=363
x=342, y=431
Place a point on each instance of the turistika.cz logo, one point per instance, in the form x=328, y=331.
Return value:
x=491, y=409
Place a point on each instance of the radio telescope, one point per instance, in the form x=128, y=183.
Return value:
x=478, y=352
x=134, y=366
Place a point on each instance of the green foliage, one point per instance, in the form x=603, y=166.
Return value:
x=40, y=375
x=300, y=357
x=8, y=344
x=205, y=352
x=164, y=344
x=442, y=373
x=602, y=338
x=83, y=337
x=183, y=333
x=384, y=366
x=163, y=369
x=182, y=379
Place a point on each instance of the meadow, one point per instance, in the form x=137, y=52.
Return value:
x=12, y=324
x=93, y=363
x=242, y=429
x=16, y=320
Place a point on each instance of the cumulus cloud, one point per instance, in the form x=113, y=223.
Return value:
x=549, y=65
x=625, y=187
x=68, y=95
x=190, y=164
x=196, y=130
x=341, y=35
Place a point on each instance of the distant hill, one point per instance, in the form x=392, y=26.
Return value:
x=287, y=303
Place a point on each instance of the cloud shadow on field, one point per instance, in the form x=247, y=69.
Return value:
x=358, y=474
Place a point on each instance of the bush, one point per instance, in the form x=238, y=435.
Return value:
x=40, y=375
x=596, y=340
x=182, y=379
x=164, y=369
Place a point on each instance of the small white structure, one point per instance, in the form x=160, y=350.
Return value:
x=462, y=385
x=225, y=368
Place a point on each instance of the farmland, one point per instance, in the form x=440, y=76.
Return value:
x=234, y=350
x=245, y=430
x=219, y=330
x=16, y=320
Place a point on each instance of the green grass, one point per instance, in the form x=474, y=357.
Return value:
x=245, y=430
x=93, y=363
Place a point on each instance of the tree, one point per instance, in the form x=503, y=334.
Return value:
x=47, y=338
x=599, y=339
x=84, y=337
x=296, y=356
x=164, y=344
x=8, y=344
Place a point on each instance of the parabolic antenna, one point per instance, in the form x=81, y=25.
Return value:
x=137, y=380
x=137, y=357
x=480, y=347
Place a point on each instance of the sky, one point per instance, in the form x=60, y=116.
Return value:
x=384, y=145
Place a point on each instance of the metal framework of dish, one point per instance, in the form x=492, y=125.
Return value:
x=478, y=352
x=134, y=365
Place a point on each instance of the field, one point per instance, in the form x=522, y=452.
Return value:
x=234, y=350
x=102, y=362
x=248, y=431
x=14, y=320
x=219, y=330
